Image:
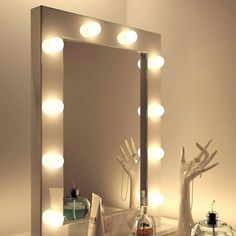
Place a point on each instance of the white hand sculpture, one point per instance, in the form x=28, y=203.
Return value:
x=189, y=170
x=129, y=160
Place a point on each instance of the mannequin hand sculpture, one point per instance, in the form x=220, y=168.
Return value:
x=189, y=170
x=129, y=160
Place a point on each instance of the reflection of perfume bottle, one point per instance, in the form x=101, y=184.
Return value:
x=144, y=224
x=212, y=226
x=76, y=206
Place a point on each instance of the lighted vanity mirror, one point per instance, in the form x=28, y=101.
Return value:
x=98, y=112
x=101, y=99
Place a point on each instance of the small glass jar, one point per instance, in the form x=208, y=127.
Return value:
x=212, y=226
x=144, y=224
x=75, y=206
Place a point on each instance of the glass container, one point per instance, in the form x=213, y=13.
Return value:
x=75, y=206
x=212, y=226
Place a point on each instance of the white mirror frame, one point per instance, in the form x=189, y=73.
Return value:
x=47, y=83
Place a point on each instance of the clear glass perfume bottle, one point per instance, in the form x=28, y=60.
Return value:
x=212, y=226
x=75, y=206
x=144, y=224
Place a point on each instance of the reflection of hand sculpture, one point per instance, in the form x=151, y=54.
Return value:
x=189, y=170
x=129, y=161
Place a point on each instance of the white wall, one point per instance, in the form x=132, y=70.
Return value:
x=15, y=101
x=198, y=42
x=198, y=92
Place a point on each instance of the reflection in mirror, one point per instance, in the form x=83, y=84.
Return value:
x=101, y=97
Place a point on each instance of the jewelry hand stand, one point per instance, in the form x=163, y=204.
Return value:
x=189, y=170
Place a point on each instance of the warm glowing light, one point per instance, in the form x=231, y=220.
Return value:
x=53, y=160
x=155, y=153
x=154, y=110
x=90, y=29
x=53, y=218
x=154, y=62
x=52, y=45
x=155, y=198
x=52, y=106
x=127, y=37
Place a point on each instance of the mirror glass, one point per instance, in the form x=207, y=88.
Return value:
x=101, y=99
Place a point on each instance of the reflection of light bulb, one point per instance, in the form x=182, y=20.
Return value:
x=155, y=198
x=90, y=29
x=154, y=62
x=52, y=106
x=53, y=218
x=53, y=160
x=155, y=153
x=127, y=37
x=154, y=110
x=52, y=45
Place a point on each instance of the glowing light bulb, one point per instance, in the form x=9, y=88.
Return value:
x=154, y=62
x=53, y=160
x=52, y=106
x=53, y=218
x=127, y=37
x=155, y=153
x=154, y=110
x=52, y=45
x=155, y=198
x=90, y=29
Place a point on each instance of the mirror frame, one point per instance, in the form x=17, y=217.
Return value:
x=47, y=82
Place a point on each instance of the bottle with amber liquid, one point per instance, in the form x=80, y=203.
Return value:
x=144, y=224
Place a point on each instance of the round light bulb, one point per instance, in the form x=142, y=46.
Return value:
x=127, y=37
x=155, y=153
x=53, y=218
x=154, y=62
x=53, y=160
x=154, y=110
x=52, y=45
x=90, y=29
x=52, y=106
x=155, y=198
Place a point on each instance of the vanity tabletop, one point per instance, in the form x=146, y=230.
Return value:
x=168, y=227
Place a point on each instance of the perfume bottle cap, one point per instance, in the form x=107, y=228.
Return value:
x=74, y=192
x=212, y=218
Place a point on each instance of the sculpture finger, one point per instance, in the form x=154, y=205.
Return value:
x=205, y=147
x=182, y=159
x=199, y=164
x=200, y=171
x=123, y=153
x=133, y=145
x=128, y=148
x=208, y=160
x=119, y=158
x=210, y=167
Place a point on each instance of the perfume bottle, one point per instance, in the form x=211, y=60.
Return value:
x=212, y=226
x=144, y=224
x=75, y=206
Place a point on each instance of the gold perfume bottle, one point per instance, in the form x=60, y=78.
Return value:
x=144, y=224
